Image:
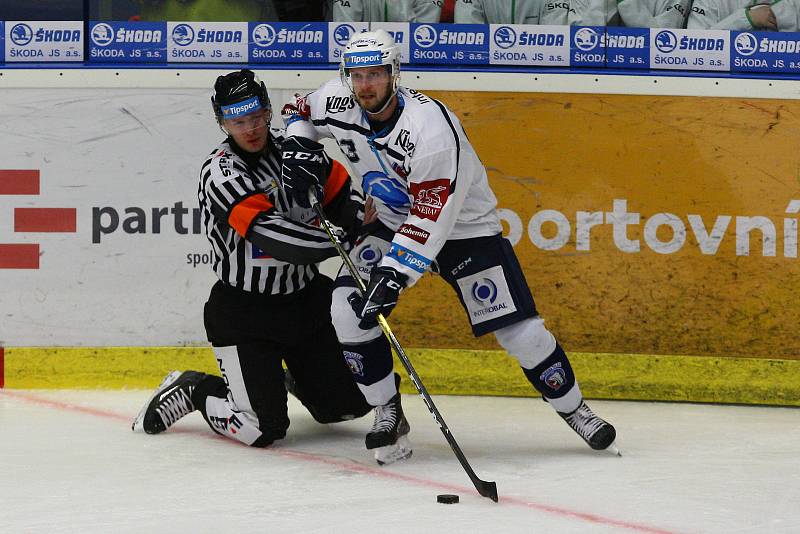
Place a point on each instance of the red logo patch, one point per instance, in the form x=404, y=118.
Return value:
x=429, y=198
x=414, y=232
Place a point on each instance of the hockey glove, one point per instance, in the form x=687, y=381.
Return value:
x=384, y=287
x=304, y=169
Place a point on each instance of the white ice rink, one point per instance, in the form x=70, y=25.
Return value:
x=69, y=463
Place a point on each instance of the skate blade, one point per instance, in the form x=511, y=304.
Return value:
x=613, y=449
x=138, y=423
x=389, y=454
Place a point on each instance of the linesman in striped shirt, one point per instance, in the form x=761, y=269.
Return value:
x=270, y=304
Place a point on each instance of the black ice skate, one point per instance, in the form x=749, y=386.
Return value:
x=597, y=433
x=171, y=401
x=388, y=435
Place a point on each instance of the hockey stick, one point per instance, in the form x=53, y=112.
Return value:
x=486, y=489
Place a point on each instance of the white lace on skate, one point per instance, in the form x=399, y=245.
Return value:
x=385, y=418
x=400, y=450
x=175, y=405
x=584, y=422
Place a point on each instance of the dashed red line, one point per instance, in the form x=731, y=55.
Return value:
x=45, y=219
x=19, y=256
x=19, y=182
x=377, y=472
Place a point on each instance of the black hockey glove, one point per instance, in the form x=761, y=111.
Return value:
x=384, y=287
x=304, y=169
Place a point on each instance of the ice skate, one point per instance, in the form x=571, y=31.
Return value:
x=596, y=432
x=171, y=401
x=388, y=435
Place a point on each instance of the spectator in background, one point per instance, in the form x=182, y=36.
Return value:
x=580, y=13
x=733, y=15
x=387, y=10
x=208, y=10
x=448, y=6
x=498, y=11
x=654, y=13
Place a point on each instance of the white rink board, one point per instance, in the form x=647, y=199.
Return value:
x=116, y=149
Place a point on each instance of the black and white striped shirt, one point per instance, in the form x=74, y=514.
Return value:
x=261, y=241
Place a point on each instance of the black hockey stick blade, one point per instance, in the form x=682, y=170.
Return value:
x=486, y=489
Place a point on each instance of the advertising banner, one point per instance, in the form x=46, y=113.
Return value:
x=765, y=52
x=207, y=42
x=521, y=44
x=338, y=35
x=450, y=44
x=128, y=42
x=690, y=49
x=588, y=48
x=288, y=42
x=50, y=41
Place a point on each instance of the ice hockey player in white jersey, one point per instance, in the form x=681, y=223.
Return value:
x=654, y=13
x=742, y=15
x=436, y=212
x=387, y=10
x=497, y=11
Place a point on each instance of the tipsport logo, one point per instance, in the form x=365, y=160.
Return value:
x=30, y=220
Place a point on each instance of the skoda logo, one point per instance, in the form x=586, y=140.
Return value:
x=484, y=291
x=264, y=35
x=102, y=34
x=21, y=34
x=505, y=37
x=586, y=39
x=182, y=35
x=342, y=34
x=666, y=41
x=425, y=36
x=746, y=44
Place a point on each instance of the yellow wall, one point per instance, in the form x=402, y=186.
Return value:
x=680, y=155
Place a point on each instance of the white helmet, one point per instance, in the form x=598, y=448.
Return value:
x=368, y=49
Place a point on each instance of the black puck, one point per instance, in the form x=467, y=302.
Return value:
x=447, y=498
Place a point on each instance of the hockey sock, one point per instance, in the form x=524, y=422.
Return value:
x=371, y=364
x=555, y=380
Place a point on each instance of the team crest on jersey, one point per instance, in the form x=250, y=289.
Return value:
x=429, y=198
x=355, y=362
x=554, y=376
x=338, y=104
x=403, y=141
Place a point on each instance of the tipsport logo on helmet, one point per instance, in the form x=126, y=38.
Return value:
x=288, y=42
x=44, y=41
x=362, y=59
x=445, y=43
x=207, y=42
x=690, y=49
x=519, y=44
x=241, y=108
x=769, y=52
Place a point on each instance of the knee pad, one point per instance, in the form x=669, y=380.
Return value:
x=345, y=320
x=528, y=341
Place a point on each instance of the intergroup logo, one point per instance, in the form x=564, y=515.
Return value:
x=342, y=34
x=586, y=39
x=102, y=34
x=484, y=291
x=425, y=36
x=21, y=34
x=666, y=41
x=746, y=44
x=264, y=35
x=30, y=220
x=183, y=35
x=505, y=37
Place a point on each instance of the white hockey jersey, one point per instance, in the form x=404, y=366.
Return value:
x=654, y=13
x=387, y=10
x=579, y=13
x=732, y=14
x=427, y=182
x=497, y=11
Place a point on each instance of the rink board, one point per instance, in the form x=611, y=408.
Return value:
x=444, y=372
x=116, y=257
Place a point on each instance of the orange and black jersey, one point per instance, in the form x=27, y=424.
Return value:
x=262, y=242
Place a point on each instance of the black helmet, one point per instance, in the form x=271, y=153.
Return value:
x=241, y=86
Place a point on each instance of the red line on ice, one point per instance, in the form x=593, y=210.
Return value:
x=358, y=468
